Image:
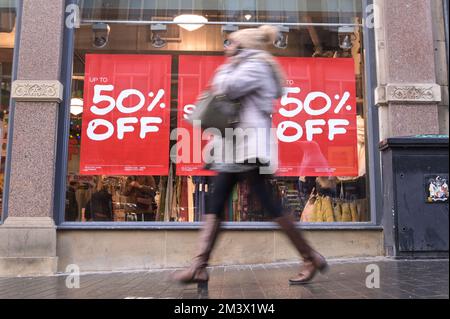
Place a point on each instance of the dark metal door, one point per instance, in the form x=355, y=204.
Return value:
x=421, y=226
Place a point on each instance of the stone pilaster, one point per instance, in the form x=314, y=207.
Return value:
x=408, y=93
x=28, y=236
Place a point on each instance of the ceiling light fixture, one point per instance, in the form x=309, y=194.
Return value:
x=100, y=32
x=76, y=106
x=190, y=22
x=248, y=17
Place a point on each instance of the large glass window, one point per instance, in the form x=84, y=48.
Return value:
x=7, y=37
x=135, y=45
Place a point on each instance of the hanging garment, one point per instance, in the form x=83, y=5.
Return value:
x=99, y=208
x=71, y=210
x=328, y=213
x=361, y=146
x=175, y=204
x=243, y=199
x=309, y=211
x=191, y=194
x=346, y=212
x=362, y=207
x=317, y=216
x=200, y=200
x=162, y=198
x=337, y=211
x=361, y=151
x=83, y=195
x=203, y=196
x=196, y=198
x=235, y=199
x=354, y=212
x=169, y=194
x=183, y=201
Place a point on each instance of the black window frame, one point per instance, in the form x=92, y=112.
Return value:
x=374, y=169
x=12, y=103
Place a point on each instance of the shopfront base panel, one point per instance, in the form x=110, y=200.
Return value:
x=124, y=250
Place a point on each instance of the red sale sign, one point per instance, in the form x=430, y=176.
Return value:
x=316, y=118
x=195, y=72
x=315, y=121
x=126, y=118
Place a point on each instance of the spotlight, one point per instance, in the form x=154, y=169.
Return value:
x=346, y=36
x=226, y=43
x=346, y=43
x=282, y=40
x=156, y=40
x=100, y=33
x=226, y=30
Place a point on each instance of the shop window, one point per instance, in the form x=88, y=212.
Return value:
x=119, y=168
x=7, y=36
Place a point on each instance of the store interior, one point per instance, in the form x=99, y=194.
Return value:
x=111, y=28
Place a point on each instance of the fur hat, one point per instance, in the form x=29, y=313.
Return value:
x=255, y=38
x=260, y=39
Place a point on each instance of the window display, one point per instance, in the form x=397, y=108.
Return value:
x=134, y=84
x=7, y=37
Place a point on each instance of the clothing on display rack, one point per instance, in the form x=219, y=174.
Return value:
x=71, y=204
x=141, y=191
x=203, y=197
x=321, y=209
x=235, y=204
x=334, y=200
x=202, y=188
x=184, y=203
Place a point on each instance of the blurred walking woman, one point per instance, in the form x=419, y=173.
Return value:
x=252, y=76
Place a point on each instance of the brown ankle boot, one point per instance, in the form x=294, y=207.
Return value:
x=309, y=269
x=313, y=261
x=197, y=272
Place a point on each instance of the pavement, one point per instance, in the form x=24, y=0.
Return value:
x=378, y=278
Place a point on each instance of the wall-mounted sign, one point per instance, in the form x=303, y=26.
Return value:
x=126, y=116
x=436, y=188
x=316, y=120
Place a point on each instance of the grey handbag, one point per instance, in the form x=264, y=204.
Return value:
x=216, y=111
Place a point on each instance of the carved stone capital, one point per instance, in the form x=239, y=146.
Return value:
x=37, y=91
x=408, y=93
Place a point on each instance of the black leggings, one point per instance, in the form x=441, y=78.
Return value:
x=225, y=182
